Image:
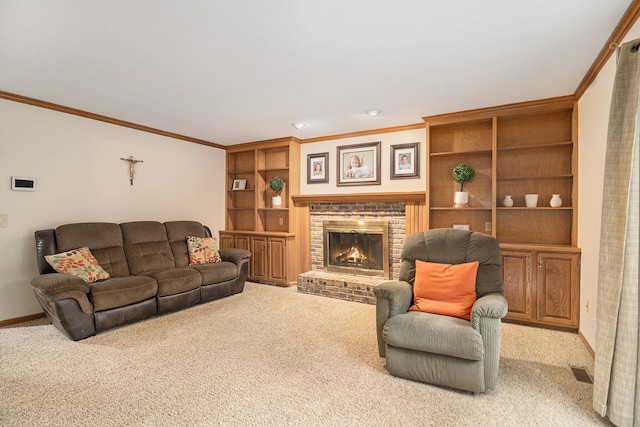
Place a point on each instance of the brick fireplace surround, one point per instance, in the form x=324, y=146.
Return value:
x=348, y=286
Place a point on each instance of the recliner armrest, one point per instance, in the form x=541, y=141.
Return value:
x=490, y=305
x=392, y=298
x=398, y=293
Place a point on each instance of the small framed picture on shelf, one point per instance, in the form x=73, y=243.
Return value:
x=359, y=164
x=317, y=168
x=405, y=161
x=239, y=184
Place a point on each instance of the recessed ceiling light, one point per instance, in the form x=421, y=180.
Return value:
x=298, y=125
x=373, y=113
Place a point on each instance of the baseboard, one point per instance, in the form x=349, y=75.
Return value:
x=586, y=344
x=9, y=322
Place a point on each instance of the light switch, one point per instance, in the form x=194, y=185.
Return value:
x=4, y=219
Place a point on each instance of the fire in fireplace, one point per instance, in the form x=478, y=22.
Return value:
x=356, y=247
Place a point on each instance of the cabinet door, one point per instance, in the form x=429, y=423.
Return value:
x=516, y=274
x=226, y=241
x=558, y=288
x=243, y=242
x=277, y=260
x=259, y=266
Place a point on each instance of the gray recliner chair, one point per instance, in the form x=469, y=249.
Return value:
x=438, y=349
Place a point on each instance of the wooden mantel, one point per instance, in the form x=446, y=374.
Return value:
x=411, y=197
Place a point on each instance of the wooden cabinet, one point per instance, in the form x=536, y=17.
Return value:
x=515, y=150
x=269, y=259
x=542, y=286
x=271, y=255
x=232, y=240
x=271, y=233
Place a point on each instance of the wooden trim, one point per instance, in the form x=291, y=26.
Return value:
x=364, y=133
x=586, y=344
x=415, y=196
x=540, y=247
x=537, y=105
x=87, y=115
x=276, y=142
x=415, y=213
x=22, y=319
x=628, y=20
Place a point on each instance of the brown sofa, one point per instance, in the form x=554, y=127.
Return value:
x=148, y=265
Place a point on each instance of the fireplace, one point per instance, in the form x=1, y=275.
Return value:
x=356, y=247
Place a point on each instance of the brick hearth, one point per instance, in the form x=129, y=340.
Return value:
x=346, y=286
x=340, y=286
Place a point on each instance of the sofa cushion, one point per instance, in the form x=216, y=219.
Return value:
x=176, y=280
x=122, y=291
x=103, y=239
x=218, y=272
x=146, y=247
x=177, y=232
x=445, y=288
x=79, y=263
x=434, y=333
x=202, y=250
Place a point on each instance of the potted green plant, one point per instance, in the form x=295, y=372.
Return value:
x=276, y=184
x=461, y=174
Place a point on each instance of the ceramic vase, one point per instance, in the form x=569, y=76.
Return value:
x=461, y=199
x=276, y=201
x=508, y=201
x=556, y=201
x=531, y=200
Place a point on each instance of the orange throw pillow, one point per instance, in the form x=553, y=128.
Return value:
x=445, y=288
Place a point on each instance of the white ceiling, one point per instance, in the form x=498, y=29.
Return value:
x=232, y=71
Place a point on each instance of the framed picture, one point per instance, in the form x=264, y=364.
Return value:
x=239, y=184
x=405, y=161
x=317, y=168
x=359, y=164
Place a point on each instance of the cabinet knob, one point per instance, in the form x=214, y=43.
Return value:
x=540, y=262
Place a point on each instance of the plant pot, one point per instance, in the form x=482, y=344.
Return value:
x=276, y=201
x=461, y=199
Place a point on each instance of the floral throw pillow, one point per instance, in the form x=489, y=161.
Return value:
x=78, y=262
x=202, y=250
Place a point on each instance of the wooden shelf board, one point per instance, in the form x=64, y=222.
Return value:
x=460, y=153
x=537, y=208
x=535, y=147
x=272, y=169
x=516, y=178
x=442, y=208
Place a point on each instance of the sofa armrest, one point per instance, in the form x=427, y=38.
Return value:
x=392, y=298
x=234, y=255
x=55, y=287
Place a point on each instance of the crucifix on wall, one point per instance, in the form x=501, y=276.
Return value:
x=132, y=166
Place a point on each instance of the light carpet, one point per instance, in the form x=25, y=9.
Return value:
x=271, y=356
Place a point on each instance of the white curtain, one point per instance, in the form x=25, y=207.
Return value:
x=616, y=388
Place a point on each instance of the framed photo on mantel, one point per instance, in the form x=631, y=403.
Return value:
x=359, y=164
x=317, y=168
x=405, y=161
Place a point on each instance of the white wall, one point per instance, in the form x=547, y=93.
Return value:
x=387, y=185
x=592, y=134
x=80, y=177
